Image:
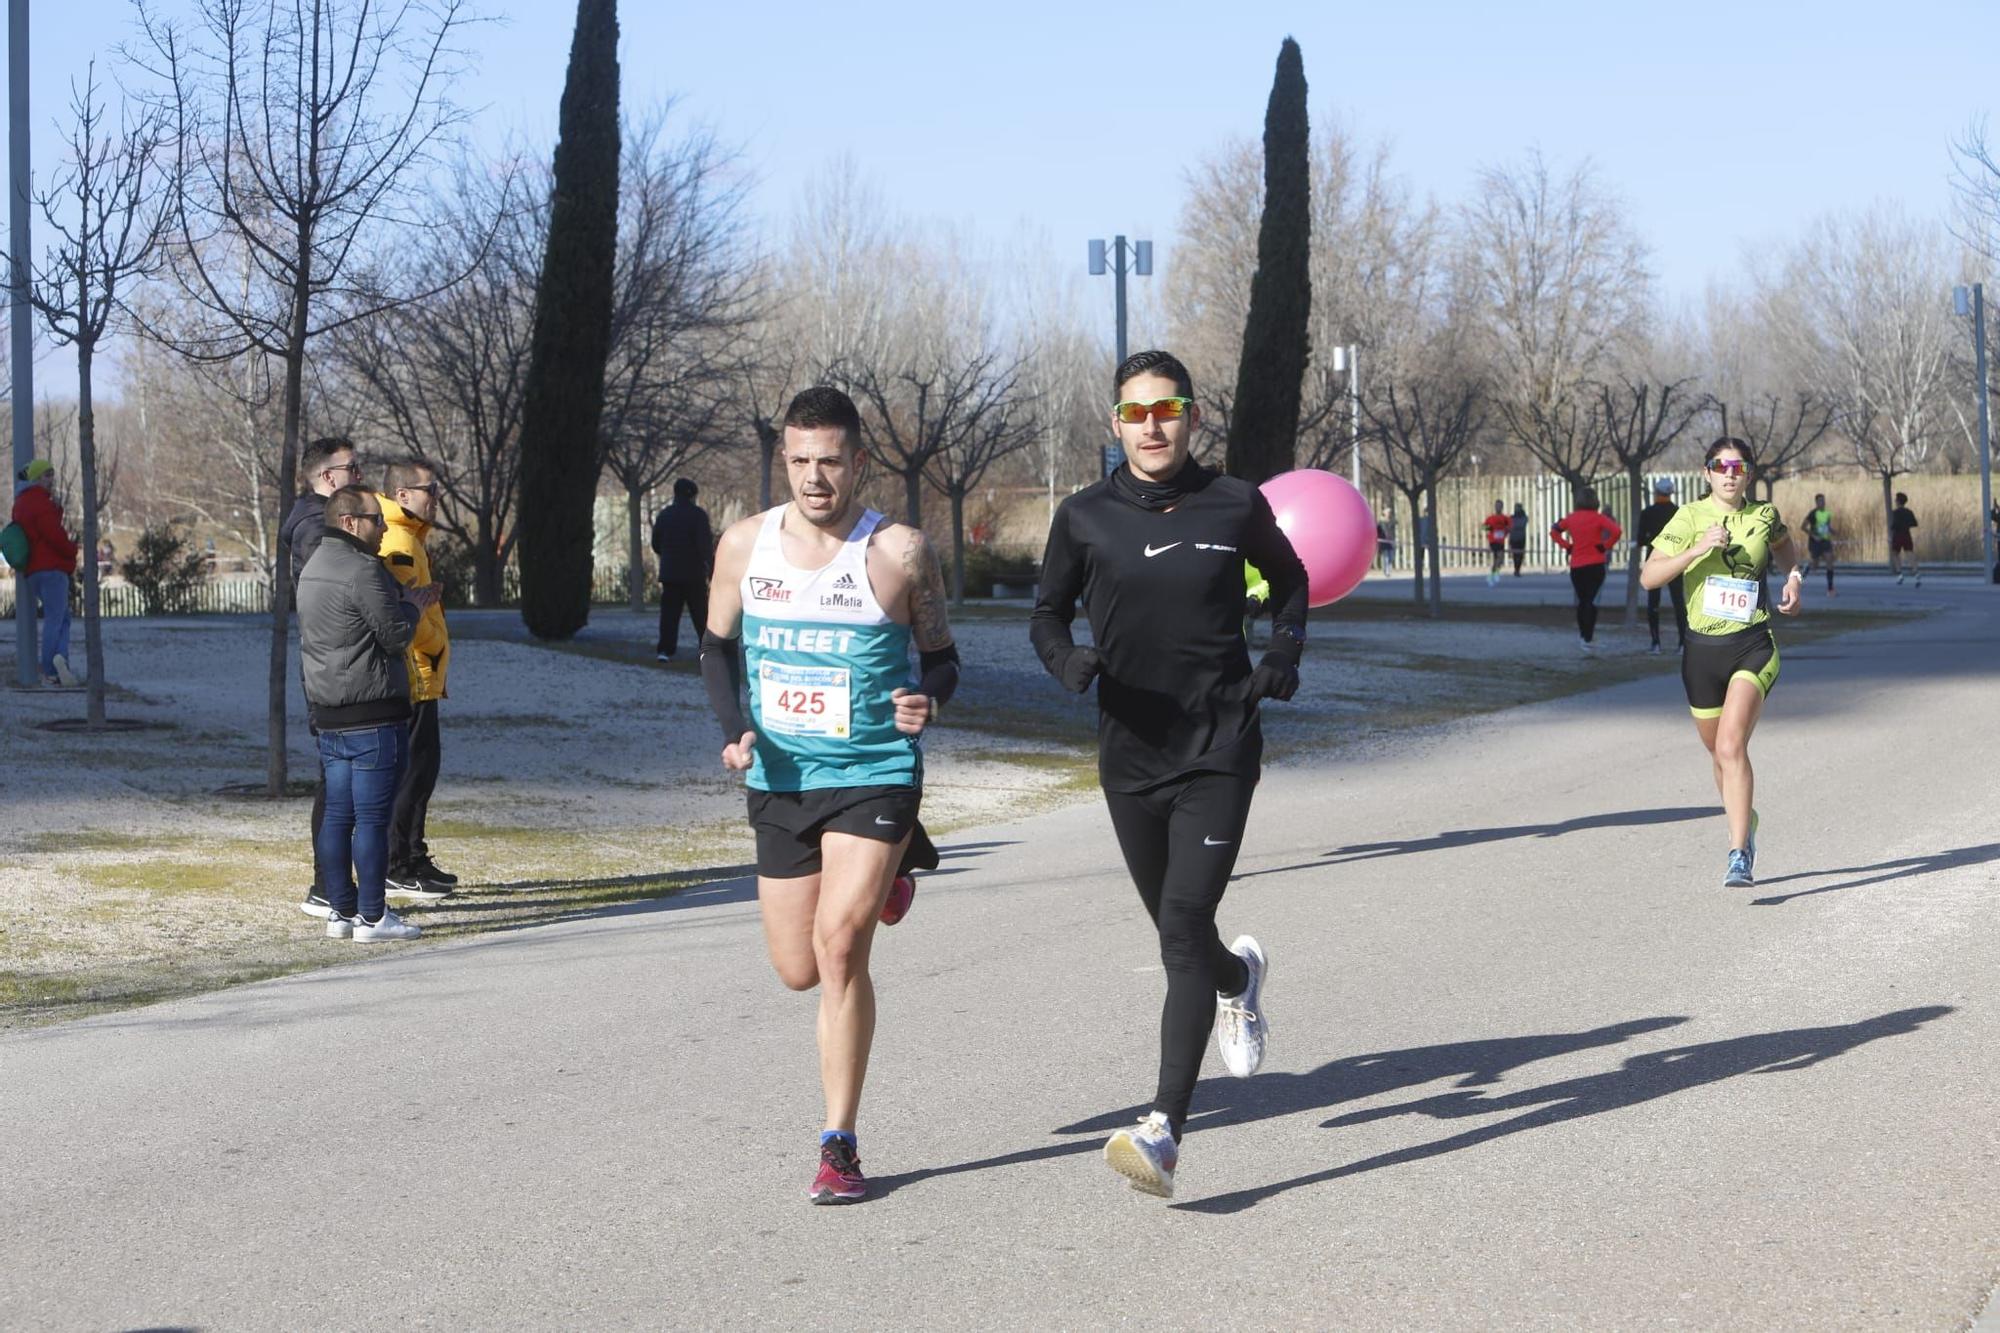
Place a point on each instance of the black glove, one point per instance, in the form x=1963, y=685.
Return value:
x=1276, y=677
x=1078, y=669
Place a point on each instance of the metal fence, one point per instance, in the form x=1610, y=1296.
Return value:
x=1464, y=502
x=252, y=596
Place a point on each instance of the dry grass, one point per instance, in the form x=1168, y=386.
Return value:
x=1949, y=527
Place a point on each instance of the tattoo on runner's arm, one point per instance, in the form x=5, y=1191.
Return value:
x=928, y=625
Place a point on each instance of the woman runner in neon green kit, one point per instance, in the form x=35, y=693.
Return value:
x=1720, y=547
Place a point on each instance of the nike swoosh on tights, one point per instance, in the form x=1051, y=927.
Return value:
x=1151, y=551
x=1207, y=841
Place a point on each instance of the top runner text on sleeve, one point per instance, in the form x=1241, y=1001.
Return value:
x=1163, y=592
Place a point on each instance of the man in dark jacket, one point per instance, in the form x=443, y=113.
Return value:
x=1652, y=522
x=354, y=624
x=685, y=544
x=327, y=464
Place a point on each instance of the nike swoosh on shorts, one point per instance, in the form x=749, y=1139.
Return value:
x=885, y=823
x=1207, y=841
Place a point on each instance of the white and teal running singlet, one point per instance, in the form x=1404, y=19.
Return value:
x=822, y=660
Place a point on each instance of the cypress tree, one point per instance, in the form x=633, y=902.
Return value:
x=564, y=391
x=1264, y=423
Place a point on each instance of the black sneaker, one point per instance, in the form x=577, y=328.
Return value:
x=316, y=904
x=409, y=884
x=428, y=869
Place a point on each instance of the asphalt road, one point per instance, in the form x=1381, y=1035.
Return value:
x=1531, y=1068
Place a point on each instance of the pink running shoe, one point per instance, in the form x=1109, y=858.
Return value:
x=901, y=894
x=839, y=1179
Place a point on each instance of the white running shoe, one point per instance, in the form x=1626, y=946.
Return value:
x=64, y=673
x=1240, y=1029
x=1146, y=1156
x=390, y=927
x=339, y=927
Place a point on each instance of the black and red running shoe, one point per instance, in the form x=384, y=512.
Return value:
x=901, y=894
x=839, y=1179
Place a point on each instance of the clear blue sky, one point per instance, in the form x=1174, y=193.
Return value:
x=1720, y=124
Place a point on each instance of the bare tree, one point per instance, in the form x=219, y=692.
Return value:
x=1782, y=432
x=1860, y=313
x=1425, y=424
x=996, y=424
x=1563, y=289
x=1642, y=419
x=443, y=376
x=109, y=211
x=297, y=129
x=683, y=302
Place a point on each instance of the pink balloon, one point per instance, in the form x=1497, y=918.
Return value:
x=1329, y=525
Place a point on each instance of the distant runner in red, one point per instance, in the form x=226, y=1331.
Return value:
x=1497, y=526
x=1588, y=536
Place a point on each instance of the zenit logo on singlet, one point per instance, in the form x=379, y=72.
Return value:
x=823, y=659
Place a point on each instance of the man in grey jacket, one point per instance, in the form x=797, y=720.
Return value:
x=327, y=464
x=355, y=620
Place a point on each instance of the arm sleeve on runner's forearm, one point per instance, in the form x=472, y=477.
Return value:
x=939, y=678
x=722, y=676
x=1266, y=546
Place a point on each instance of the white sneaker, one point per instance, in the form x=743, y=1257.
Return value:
x=1586, y=647
x=63, y=672
x=1146, y=1156
x=1240, y=1029
x=339, y=927
x=1901, y=577
x=390, y=927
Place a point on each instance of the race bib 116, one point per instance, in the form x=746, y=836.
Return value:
x=1729, y=599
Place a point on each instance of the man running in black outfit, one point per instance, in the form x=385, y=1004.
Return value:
x=1653, y=520
x=1156, y=552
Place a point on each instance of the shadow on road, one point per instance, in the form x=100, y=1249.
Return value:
x=1882, y=872
x=620, y=895
x=1232, y=1101
x=1640, y=1079
x=1473, y=837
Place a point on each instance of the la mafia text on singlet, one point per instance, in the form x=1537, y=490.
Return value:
x=822, y=658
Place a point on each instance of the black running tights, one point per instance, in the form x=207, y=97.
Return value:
x=1180, y=842
x=1587, y=579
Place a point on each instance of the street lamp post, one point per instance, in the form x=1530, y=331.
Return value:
x=1973, y=302
x=1135, y=258
x=22, y=355
x=1348, y=358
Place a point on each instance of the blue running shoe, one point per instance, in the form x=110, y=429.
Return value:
x=1738, y=875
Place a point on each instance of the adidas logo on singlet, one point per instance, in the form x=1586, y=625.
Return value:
x=844, y=581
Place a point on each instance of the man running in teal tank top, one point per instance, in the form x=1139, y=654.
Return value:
x=822, y=600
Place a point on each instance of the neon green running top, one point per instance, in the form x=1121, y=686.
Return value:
x=1753, y=531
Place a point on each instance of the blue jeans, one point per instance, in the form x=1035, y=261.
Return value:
x=51, y=589
x=362, y=768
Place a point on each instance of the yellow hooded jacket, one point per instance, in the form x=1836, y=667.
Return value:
x=403, y=552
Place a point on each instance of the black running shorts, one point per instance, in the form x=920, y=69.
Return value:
x=1710, y=661
x=1819, y=548
x=788, y=824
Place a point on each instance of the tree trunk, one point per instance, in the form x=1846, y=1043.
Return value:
x=1888, y=505
x=288, y=475
x=958, y=546
x=767, y=450
x=635, y=574
x=1431, y=544
x=913, y=497
x=486, y=566
x=1637, y=485
x=86, y=448
x=1415, y=546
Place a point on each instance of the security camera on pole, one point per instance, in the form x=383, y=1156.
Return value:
x=1134, y=257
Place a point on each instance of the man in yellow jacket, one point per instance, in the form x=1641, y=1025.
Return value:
x=409, y=501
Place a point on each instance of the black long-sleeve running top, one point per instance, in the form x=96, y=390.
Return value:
x=1163, y=592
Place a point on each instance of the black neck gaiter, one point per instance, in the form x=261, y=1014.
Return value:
x=1157, y=495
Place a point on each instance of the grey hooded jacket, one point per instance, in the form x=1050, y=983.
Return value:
x=353, y=628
